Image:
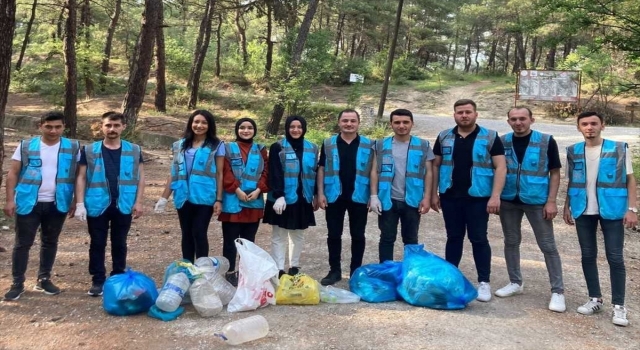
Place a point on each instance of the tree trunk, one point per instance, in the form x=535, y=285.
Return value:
x=491, y=63
x=70, y=70
x=455, y=50
x=568, y=46
x=550, y=62
x=85, y=19
x=467, y=52
x=104, y=69
x=446, y=62
x=242, y=36
x=27, y=33
x=278, y=109
x=506, y=54
x=219, y=45
x=269, y=56
x=339, y=33
x=141, y=63
x=392, y=51
x=60, y=24
x=534, y=51
x=160, y=101
x=477, y=52
x=201, y=52
x=7, y=27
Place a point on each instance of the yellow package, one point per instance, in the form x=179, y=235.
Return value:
x=297, y=290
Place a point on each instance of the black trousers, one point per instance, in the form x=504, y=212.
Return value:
x=194, y=223
x=46, y=216
x=233, y=230
x=99, y=230
x=335, y=223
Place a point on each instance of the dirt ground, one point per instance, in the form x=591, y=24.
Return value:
x=73, y=320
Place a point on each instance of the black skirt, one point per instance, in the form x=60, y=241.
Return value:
x=296, y=216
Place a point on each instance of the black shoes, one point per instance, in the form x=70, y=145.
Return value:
x=232, y=278
x=293, y=270
x=332, y=277
x=96, y=289
x=14, y=292
x=45, y=285
x=280, y=273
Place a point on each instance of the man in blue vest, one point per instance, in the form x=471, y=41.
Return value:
x=343, y=186
x=401, y=181
x=531, y=188
x=601, y=189
x=469, y=171
x=109, y=191
x=40, y=185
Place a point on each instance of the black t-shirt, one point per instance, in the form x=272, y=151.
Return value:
x=520, y=145
x=111, y=159
x=347, y=153
x=463, y=161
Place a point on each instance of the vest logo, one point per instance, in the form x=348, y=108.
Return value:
x=446, y=150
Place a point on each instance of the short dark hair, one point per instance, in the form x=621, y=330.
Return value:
x=348, y=110
x=51, y=116
x=589, y=114
x=114, y=116
x=465, y=101
x=401, y=112
x=514, y=108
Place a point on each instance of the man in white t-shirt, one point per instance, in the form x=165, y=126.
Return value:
x=601, y=189
x=40, y=186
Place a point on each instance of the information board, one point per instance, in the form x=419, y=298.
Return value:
x=548, y=85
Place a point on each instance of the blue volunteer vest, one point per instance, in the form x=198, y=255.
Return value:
x=248, y=174
x=97, y=196
x=529, y=180
x=364, y=162
x=30, y=178
x=611, y=186
x=482, y=169
x=292, y=167
x=198, y=187
x=415, y=172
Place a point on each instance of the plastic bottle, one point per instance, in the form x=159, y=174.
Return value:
x=220, y=264
x=204, y=298
x=244, y=330
x=225, y=290
x=172, y=293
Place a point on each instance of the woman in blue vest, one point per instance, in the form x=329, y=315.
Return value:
x=196, y=171
x=291, y=202
x=244, y=182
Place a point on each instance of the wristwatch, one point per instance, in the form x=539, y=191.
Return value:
x=634, y=209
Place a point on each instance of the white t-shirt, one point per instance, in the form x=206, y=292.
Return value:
x=49, y=169
x=592, y=158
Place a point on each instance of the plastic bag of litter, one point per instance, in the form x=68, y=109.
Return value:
x=377, y=283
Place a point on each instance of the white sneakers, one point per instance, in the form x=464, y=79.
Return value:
x=592, y=306
x=509, y=290
x=620, y=316
x=484, y=292
x=557, y=303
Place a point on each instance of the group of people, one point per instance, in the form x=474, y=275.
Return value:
x=470, y=173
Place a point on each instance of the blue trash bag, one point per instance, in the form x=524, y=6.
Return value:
x=430, y=281
x=155, y=312
x=129, y=293
x=183, y=265
x=377, y=283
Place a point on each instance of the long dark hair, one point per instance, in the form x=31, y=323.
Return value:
x=211, y=140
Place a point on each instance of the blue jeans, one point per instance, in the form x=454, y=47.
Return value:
x=46, y=216
x=613, y=232
x=511, y=219
x=461, y=216
x=408, y=216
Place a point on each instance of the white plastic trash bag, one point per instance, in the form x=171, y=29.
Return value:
x=254, y=286
x=334, y=295
x=204, y=298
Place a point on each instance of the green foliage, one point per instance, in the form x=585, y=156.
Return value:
x=179, y=59
x=377, y=131
x=344, y=66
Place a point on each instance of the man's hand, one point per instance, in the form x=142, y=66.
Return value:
x=549, y=211
x=160, y=205
x=375, y=205
x=72, y=210
x=254, y=195
x=435, y=203
x=630, y=219
x=566, y=215
x=315, y=204
x=493, y=206
x=425, y=205
x=217, y=208
x=81, y=212
x=241, y=195
x=280, y=205
x=137, y=210
x=322, y=201
x=10, y=208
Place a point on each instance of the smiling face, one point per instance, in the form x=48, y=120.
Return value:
x=246, y=131
x=590, y=127
x=295, y=129
x=520, y=121
x=199, y=126
x=401, y=125
x=52, y=130
x=112, y=129
x=465, y=115
x=348, y=123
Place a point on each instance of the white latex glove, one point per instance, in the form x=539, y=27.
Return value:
x=375, y=205
x=81, y=212
x=160, y=205
x=280, y=205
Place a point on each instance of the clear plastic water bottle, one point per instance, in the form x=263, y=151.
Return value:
x=172, y=293
x=225, y=290
x=220, y=264
x=204, y=298
x=244, y=330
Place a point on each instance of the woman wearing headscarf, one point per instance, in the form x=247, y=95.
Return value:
x=244, y=182
x=291, y=201
x=195, y=180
